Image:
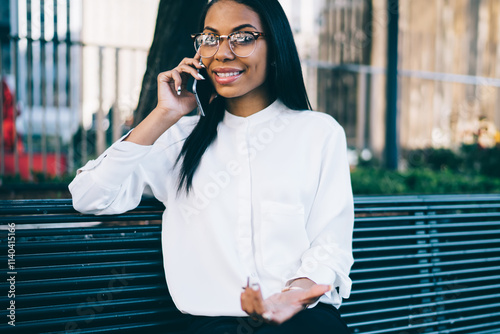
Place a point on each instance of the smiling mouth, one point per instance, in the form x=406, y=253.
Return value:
x=228, y=74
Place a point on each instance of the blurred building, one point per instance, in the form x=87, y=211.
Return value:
x=449, y=67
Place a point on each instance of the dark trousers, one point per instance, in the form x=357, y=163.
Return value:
x=320, y=319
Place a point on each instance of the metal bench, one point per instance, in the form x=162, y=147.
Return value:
x=424, y=264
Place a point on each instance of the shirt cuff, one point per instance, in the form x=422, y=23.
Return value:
x=320, y=275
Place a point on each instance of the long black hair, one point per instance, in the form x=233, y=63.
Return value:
x=284, y=79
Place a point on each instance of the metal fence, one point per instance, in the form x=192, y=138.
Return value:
x=63, y=101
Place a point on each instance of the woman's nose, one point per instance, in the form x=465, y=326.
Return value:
x=224, y=52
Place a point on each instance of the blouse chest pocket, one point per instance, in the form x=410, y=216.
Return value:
x=283, y=236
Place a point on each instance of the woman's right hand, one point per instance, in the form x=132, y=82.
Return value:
x=171, y=104
x=173, y=96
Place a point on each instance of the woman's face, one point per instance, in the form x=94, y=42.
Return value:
x=236, y=77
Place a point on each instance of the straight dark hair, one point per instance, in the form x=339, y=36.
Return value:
x=282, y=57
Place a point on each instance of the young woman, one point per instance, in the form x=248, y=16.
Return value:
x=258, y=224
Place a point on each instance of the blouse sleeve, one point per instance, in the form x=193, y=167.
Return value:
x=114, y=182
x=330, y=222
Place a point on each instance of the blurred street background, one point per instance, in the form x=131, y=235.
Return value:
x=415, y=84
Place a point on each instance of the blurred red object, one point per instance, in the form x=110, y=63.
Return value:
x=54, y=165
x=9, y=129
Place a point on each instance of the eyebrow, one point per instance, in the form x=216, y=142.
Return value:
x=241, y=26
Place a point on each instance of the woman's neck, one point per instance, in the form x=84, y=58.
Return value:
x=249, y=104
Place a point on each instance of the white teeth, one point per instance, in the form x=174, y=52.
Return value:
x=229, y=74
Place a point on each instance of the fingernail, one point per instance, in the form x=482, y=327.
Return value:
x=255, y=287
x=179, y=90
x=202, y=65
x=201, y=76
x=267, y=315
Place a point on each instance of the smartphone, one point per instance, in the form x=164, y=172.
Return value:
x=203, y=91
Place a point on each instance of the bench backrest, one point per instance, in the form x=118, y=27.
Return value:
x=424, y=264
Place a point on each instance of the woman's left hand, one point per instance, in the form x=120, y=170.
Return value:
x=279, y=307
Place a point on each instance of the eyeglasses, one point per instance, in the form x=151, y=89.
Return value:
x=241, y=43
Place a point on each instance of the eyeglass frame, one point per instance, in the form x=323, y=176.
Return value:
x=256, y=35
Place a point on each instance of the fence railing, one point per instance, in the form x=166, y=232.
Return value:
x=67, y=102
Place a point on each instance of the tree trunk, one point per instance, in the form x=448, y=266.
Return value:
x=175, y=22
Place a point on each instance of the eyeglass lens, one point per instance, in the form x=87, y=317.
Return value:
x=242, y=44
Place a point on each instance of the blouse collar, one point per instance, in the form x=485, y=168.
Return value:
x=265, y=114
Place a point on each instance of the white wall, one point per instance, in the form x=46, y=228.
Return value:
x=125, y=24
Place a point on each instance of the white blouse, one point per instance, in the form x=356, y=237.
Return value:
x=271, y=200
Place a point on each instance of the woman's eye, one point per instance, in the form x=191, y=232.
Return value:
x=209, y=40
x=242, y=38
